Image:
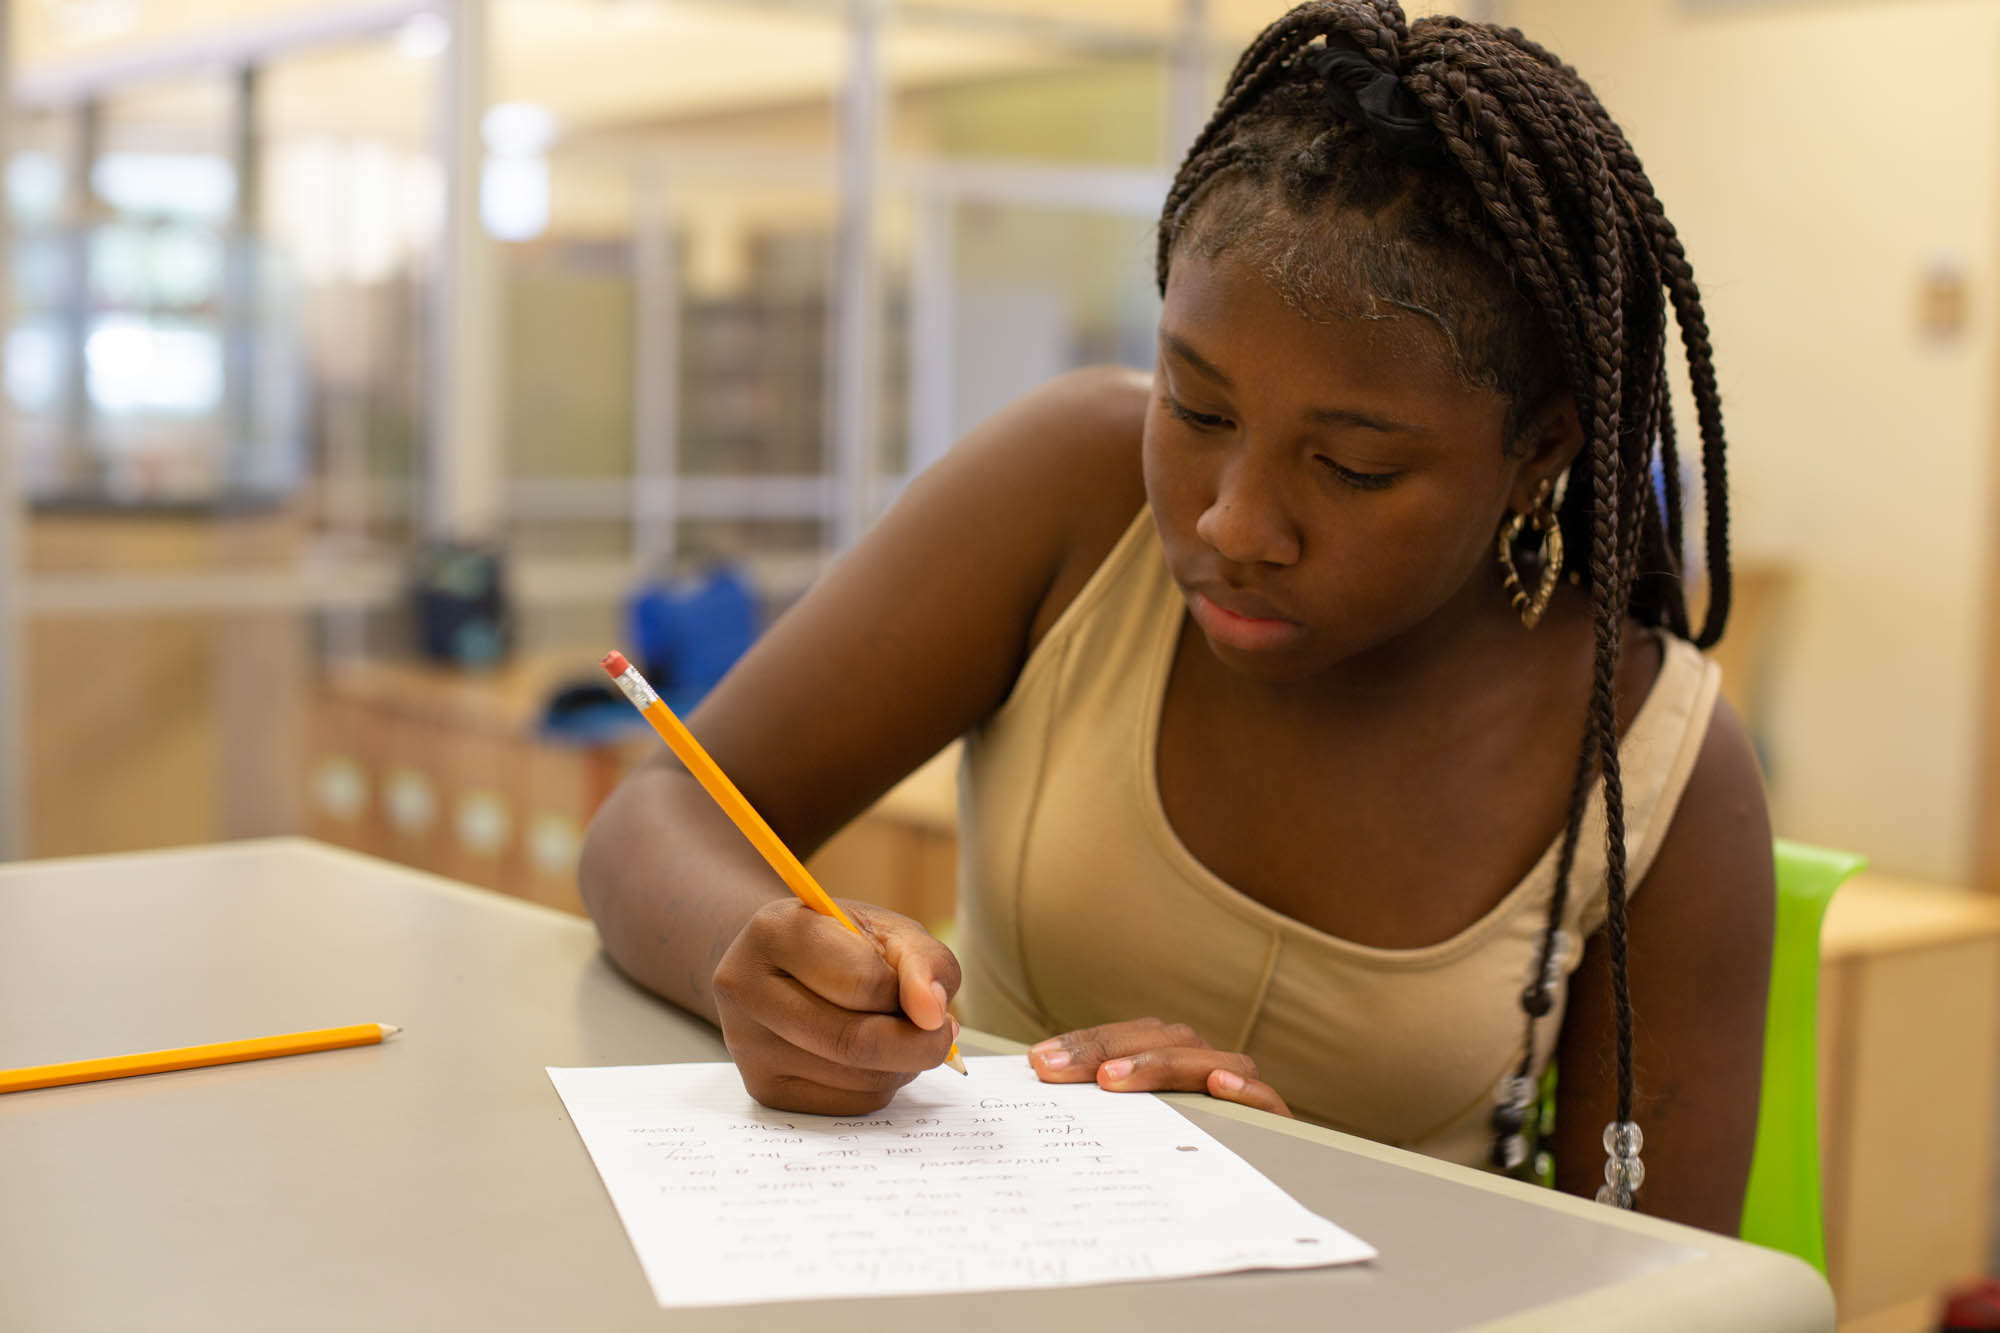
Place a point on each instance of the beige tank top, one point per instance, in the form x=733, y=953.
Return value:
x=1079, y=905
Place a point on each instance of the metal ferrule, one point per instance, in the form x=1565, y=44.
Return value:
x=636, y=689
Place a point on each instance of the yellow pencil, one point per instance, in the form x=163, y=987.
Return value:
x=734, y=804
x=193, y=1057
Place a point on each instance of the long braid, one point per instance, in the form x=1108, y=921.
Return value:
x=1670, y=467
x=1586, y=121
x=1533, y=180
x=1612, y=561
x=1613, y=552
x=1601, y=336
x=1708, y=410
x=1564, y=116
x=1686, y=300
x=1539, y=269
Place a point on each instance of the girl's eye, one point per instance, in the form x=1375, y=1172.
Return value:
x=1347, y=476
x=1199, y=420
x=1361, y=481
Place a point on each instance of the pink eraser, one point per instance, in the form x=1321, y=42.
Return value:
x=614, y=663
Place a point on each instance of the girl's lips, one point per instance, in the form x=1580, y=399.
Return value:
x=1245, y=634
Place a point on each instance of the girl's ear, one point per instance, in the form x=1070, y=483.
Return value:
x=1547, y=444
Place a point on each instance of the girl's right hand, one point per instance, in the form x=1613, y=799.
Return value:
x=821, y=1020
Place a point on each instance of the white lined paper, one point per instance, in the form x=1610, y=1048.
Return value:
x=989, y=1182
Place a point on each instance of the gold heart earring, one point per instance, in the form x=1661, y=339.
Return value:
x=1543, y=516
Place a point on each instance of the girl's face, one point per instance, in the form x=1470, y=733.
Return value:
x=1321, y=490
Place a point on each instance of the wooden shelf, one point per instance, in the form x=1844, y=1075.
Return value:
x=1909, y=1069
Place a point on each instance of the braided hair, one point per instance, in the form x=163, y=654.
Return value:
x=1461, y=171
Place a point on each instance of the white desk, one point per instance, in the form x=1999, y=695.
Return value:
x=435, y=1183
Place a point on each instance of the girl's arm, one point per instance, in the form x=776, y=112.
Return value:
x=1699, y=964
x=907, y=642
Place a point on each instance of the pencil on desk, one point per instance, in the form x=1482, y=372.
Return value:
x=193, y=1057
x=734, y=804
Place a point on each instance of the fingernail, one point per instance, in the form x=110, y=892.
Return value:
x=954, y=1027
x=1053, y=1058
x=1046, y=1044
x=944, y=1001
x=1116, y=1070
x=1227, y=1081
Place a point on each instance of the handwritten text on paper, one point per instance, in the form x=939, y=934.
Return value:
x=986, y=1182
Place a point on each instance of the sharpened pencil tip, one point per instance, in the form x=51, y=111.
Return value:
x=956, y=1062
x=388, y=1030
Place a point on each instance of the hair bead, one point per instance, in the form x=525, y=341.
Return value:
x=1623, y=1138
x=1629, y=1172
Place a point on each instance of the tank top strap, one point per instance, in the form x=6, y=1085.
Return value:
x=1110, y=626
x=1656, y=758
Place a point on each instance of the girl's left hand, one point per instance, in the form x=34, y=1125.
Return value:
x=1146, y=1055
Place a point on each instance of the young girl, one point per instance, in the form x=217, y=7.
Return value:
x=1336, y=739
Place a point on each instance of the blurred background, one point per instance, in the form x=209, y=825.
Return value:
x=374, y=367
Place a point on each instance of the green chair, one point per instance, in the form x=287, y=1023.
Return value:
x=1781, y=1206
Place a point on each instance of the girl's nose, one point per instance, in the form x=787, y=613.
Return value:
x=1246, y=522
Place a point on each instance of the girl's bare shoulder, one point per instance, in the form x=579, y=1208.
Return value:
x=920, y=629
x=1075, y=444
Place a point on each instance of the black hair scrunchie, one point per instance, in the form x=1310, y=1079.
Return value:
x=1373, y=97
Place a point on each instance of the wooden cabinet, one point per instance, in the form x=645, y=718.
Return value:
x=1909, y=1071
x=450, y=772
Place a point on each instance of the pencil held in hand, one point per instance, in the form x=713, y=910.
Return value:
x=734, y=804
x=194, y=1057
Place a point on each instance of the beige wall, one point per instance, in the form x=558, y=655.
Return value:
x=1818, y=158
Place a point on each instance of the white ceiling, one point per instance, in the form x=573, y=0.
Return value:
x=595, y=63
